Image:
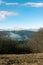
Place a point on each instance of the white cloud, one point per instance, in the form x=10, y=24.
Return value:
x=8, y=3
x=11, y=3
x=33, y=4
x=4, y=14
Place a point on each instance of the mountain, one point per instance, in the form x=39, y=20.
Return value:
x=13, y=41
x=25, y=34
x=33, y=41
x=16, y=35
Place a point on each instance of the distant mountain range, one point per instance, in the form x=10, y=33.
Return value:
x=19, y=35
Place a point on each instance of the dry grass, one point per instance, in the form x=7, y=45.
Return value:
x=22, y=59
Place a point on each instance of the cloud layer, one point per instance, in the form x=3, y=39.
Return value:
x=4, y=14
x=30, y=4
x=33, y=4
x=9, y=3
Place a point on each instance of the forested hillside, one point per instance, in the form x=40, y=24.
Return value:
x=35, y=43
x=32, y=45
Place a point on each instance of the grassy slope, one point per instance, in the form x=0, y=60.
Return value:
x=22, y=59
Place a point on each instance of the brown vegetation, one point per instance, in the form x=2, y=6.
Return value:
x=36, y=42
x=22, y=59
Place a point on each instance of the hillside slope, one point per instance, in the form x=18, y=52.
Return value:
x=36, y=42
x=33, y=45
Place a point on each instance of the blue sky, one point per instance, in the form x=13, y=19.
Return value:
x=21, y=14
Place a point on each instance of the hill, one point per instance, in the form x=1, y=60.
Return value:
x=35, y=43
x=14, y=41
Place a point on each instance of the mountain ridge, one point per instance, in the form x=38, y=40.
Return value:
x=21, y=34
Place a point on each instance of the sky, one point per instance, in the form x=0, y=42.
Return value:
x=21, y=14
